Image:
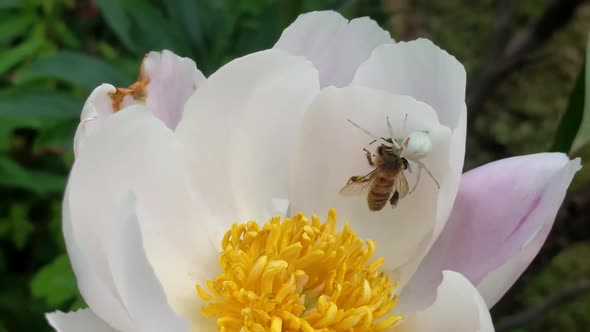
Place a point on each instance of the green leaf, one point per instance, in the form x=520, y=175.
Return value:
x=14, y=26
x=10, y=57
x=567, y=268
x=574, y=128
x=55, y=282
x=572, y=118
x=78, y=69
x=12, y=175
x=9, y=4
x=153, y=31
x=582, y=178
x=583, y=136
x=117, y=19
x=40, y=105
x=186, y=13
x=65, y=35
x=20, y=225
x=262, y=32
x=58, y=137
x=142, y=27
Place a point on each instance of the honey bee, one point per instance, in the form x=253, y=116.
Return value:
x=387, y=181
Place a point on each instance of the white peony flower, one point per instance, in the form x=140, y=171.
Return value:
x=160, y=205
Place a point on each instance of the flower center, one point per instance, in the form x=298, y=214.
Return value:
x=297, y=275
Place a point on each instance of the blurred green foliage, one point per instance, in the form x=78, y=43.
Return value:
x=567, y=268
x=54, y=52
x=574, y=129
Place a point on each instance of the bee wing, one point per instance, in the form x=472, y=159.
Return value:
x=401, y=184
x=358, y=185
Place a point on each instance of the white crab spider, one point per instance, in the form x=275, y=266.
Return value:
x=414, y=147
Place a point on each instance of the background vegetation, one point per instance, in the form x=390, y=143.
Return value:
x=523, y=58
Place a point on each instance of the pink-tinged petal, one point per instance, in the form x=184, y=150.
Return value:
x=334, y=45
x=165, y=83
x=497, y=282
x=501, y=217
x=172, y=81
x=81, y=320
x=458, y=308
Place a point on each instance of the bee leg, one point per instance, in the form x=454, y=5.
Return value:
x=369, y=157
x=394, y=199
x=406, y=165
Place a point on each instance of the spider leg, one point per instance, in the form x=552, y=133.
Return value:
x=363, y=130
x=417, y=180
x=405, y=123
x=421, y=165
x=393, y=140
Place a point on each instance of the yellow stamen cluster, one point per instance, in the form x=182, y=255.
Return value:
x=297, y=275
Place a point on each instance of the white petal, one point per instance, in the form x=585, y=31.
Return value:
x=458, y=308
x=239, y=129
x=137, y=286
x=93, y=276
x=97, y=107
x=172, y=80
x=419, y=69
x=422, y=70
x=81, y=320
x=331, y=151
x=456, y=158
x=134, y=151
x=127, y=295
x=334, y=45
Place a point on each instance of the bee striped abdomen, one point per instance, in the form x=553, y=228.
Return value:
x=380, y=191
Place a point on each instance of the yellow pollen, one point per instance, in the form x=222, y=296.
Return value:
x=299, y=275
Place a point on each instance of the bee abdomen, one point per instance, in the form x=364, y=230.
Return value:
x=380, y=192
